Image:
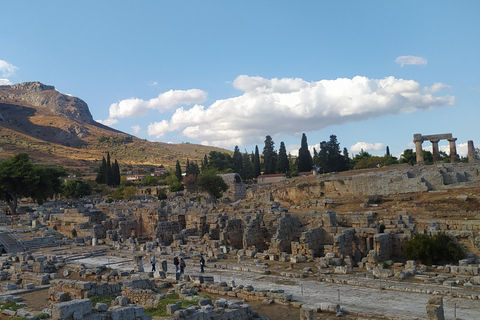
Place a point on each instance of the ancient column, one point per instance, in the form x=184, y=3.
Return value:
x=435, y=308
x=453, y=150
x=418, y=140
x=436, y=153
x=471, y=152
x=164, y=265
x=138, y=264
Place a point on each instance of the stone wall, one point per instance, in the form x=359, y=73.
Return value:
x=64, y=290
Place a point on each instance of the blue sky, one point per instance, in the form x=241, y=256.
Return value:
x=229, y=73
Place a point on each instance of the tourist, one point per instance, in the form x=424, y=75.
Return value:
x=176, y=263
x=202, y=264
x=154, y=262
x=182, y=266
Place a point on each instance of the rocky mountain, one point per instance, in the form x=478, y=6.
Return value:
x=59, y=129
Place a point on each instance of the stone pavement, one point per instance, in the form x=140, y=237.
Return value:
x=361, y=300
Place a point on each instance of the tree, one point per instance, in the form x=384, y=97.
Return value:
x=192, y=169
x=129, y=192
x=237, y=161
x=221, y=162
x=19, y=177
x=304, y=159
x=408, y=156
x=150, y=181
x=204, y=163
x=190, y=182
x=436, y=249
x=346, y=159
x=213, y=184
x=116, y=178
x=269, y=156
x=109, y=173
x=178, y=171
x=76, y=189
x=283, y=163
x=256, y=163
x=102, y=172
x=247, y=171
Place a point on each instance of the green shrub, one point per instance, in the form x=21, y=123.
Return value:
x=302, y=186
x=102, y=299
x=437, y=249
x=161, y=309
x=12, y=305
x=161, y=194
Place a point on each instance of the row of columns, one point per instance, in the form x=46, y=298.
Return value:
x=418, y=139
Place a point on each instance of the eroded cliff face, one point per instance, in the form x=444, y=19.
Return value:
x=44, y=96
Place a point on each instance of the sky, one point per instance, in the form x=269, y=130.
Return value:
x=229, y=73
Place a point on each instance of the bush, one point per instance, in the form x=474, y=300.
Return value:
x=302, y=186
x=436, y=249
x=176, y=186
x=161, y=194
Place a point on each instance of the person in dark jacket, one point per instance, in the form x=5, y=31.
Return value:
x=176, y=263
x=202, y=264
x=182, y=266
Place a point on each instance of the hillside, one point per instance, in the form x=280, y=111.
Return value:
x=58, y=129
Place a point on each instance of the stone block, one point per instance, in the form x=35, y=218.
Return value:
x=65, y=310
x=171, y=308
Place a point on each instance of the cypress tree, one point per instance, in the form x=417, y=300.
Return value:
x=256, y=163
x=178, y=171
x=304, y=160
x=283, y=163
x=237, y=161
x=247, y=170
x=204, y=163
x=116, y=173
x=269, y=156
x=101, y=175
x=108, y=179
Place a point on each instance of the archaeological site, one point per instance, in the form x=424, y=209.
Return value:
x=318, y=246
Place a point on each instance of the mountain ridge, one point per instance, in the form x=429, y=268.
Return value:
x=58, y=129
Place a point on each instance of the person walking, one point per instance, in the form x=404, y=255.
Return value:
x=153, y=261
x=182, y=266
x=202, y=264
x=176, y=263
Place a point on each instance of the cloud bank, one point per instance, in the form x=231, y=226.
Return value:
x=108, y=122
x=359, y=146
x=135, y=107
x=6, y=70
x=292, y=106
x=410, y=60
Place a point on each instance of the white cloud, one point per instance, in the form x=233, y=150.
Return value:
x=410, y=60
x=136, y=129
x=108, y=122
x=293, y=106
x=135, y=107
x=7, y=69
x=5, y=82
x=365, y=146
x=437, y=86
